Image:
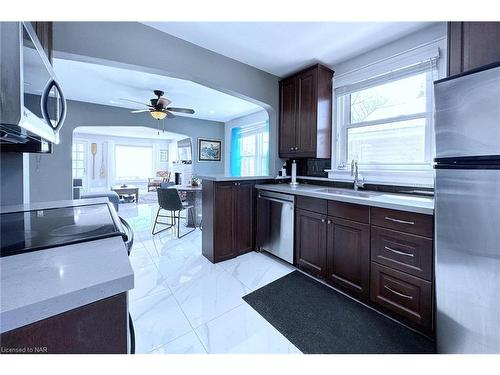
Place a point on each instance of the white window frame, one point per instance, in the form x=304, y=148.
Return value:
x=397, y=67
x=120, y=179
x=255, y=129
x=85, y=144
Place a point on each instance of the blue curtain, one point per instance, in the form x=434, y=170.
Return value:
x=235, y=165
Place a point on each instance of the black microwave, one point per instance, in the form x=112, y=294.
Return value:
x=32, y=103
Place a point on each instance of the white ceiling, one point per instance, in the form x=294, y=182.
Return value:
x=281, y=48
x=129, y=132
x=106, y=85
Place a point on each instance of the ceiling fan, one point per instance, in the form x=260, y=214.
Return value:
x=159, y=107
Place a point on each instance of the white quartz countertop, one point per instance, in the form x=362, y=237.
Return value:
x=233, y=178
x=44, y=283
x=403, y=202
x=52, y=204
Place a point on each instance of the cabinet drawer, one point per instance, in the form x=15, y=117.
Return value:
x=403, y=221
x=404, y=252
x=312, y=204
x=349, y=211
x=403, y=294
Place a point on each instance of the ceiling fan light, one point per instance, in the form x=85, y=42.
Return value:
x=158, y=115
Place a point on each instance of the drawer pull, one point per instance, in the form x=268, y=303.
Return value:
x=399, y=220
x=398, y=293
x=398, y=252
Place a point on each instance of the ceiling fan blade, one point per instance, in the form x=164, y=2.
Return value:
x=181, y=110
x=140, y=110
x=170, y=114
x=135, y=101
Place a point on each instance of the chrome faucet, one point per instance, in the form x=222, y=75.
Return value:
x=358, y=180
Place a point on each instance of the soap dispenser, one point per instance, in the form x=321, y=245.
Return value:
x=294, y=173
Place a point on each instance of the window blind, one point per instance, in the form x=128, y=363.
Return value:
x=411, y=62
x=388, y=77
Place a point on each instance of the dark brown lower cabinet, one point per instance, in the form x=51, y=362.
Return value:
x=402, y=251
x=379, y=256
x=310, y=250
x=243, y=217
x=403, y=294
x=348, y=256
x=96, y=328
x=228, y=222
x=223, y=222
x=335, y=249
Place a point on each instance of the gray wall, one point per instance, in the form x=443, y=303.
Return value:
x=135, y=46
x=11, y=178
x=50, y=174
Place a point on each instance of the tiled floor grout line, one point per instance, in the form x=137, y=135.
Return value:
x=242, y=283
x=181, y=309
x=211, y=320
x=183, y=313
x=189, y=322
x=160, y=245
x=194, y=328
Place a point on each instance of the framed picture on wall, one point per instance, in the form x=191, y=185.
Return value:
x=209, y=149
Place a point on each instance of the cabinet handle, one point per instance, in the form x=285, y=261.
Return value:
x=329, y=222
x=296, y=148
x=291, y=148
x=322, y=220
x=398, y=252
x=399, y=221
x=398, y=293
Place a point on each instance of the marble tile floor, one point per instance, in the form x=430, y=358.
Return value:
x=182, y=303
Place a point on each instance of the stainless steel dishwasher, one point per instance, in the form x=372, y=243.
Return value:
x=275, y=223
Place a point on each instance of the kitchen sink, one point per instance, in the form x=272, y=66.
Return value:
x=346, y=192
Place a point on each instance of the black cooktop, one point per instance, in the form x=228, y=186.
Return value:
x=26, y=231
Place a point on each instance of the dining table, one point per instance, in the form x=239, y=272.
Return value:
x=193, y=198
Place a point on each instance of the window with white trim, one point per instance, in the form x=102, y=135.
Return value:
x=385, y=121
x=133, y=162
x=250, y=150
x=387, y=125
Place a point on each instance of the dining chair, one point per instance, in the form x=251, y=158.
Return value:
x=169, y=200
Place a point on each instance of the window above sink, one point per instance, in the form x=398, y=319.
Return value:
x=384, y=116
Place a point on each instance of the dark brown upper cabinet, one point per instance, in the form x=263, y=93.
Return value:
x=472, y=45
x=305, y=128
x=44, y=33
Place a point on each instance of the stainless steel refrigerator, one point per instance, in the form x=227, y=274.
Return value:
x=467, y=212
